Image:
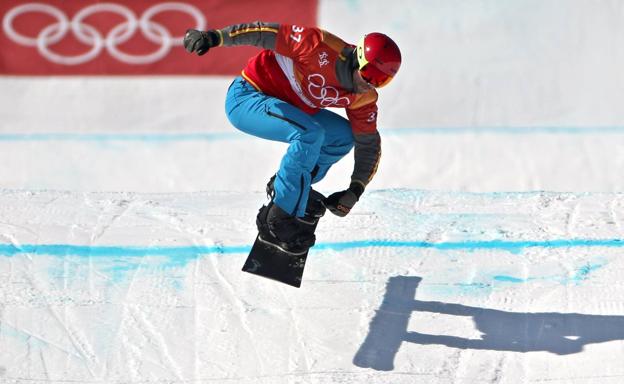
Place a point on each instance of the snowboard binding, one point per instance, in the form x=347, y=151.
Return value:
x=291, y=234
x=281, y=247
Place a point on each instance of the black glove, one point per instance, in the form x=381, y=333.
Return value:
x=340, y=203
x=200, y=41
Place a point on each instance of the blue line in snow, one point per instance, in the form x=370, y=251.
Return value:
x=512, y=246
x=130, y=137
x=581, y=275
x=235, y=135
x=517, y=130
x=116, y=251
x=185, y=253
x=510, y=279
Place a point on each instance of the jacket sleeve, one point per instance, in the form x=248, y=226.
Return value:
x=363, y=117
x=286, y=39
x=258, y=34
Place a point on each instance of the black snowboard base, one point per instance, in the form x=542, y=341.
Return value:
x=269, y=261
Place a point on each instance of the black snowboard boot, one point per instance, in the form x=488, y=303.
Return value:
x=289, y=233
x=314, y=211
x=315, y=208
x=283, y=231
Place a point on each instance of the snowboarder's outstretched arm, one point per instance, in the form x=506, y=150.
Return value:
x=258, y=34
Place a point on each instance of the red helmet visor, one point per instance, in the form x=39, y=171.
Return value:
x=374, y=76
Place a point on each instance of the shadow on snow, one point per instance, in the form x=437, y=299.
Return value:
x=558, y=333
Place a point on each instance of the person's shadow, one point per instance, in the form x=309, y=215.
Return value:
x=558, y=333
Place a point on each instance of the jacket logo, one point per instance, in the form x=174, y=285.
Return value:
x=327, y=96
x=323, y=58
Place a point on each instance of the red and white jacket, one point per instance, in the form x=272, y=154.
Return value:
x=311, y=69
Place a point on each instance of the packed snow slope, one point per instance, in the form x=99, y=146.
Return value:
x=414, y=287
x=127, y=208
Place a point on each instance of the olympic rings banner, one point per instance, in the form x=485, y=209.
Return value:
x=130, y=37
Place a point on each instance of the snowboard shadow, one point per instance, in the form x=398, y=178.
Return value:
x=557, y=333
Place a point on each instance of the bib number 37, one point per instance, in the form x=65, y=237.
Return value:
x=296, y=35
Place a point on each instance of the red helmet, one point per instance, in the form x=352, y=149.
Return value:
x=379, y=58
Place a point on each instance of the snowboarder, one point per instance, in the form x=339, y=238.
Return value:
x=282, y=94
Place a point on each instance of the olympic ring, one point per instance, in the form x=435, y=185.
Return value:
x=325, y=100
x=89, y=35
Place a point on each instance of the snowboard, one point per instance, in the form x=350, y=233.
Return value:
x=269, y=261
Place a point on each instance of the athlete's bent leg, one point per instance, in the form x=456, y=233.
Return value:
x=338, y=141
x=267, y=117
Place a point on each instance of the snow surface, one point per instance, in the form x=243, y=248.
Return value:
x=128, y=287
x=127, y=207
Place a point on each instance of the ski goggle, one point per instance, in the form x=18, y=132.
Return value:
x=374, y=76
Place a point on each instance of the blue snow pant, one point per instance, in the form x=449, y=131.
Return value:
x=316, y=141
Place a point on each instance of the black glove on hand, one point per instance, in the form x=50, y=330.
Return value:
x=340, y=203
x=200, y=41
